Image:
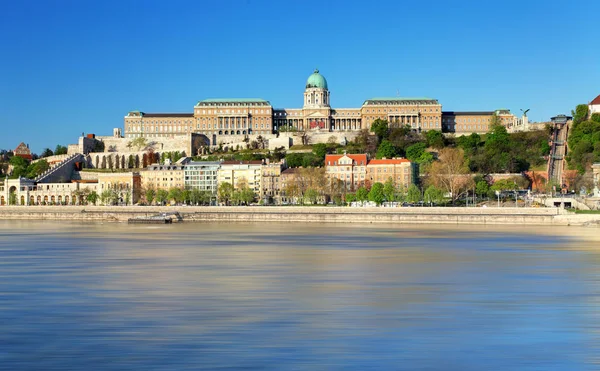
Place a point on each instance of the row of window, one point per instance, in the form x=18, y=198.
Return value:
x=214, y=112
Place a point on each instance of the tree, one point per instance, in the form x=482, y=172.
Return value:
x=311, y=196
x=106, y=197
x=482, y=188
x=37, y=168
x=433, y=195
x=150, y=194
x=451, y=172
x=414, y=194
x=161, y=196
x=47, y=152
x=247, y=195
x=225, y=192
x=389, y=190
x=19, y=165
x=175, y=195
x=380, y=128
x=580, y=113
x=92, y=197
x=435, y=139
x=376, y=193
x=386, y=149
x=186, y=196
x=320, y=150
x=60, y=150
x=415, y=151
x=362, y=194
x=350, y=197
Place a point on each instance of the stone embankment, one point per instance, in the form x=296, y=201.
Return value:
x=418, y=215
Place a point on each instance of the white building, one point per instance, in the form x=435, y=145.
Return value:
x=594, y=105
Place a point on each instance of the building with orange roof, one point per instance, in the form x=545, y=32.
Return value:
x=351, y=169
x=400, y=170
x=23, y=151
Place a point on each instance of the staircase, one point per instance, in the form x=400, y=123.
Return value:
x=556, y=161
x=61, y=172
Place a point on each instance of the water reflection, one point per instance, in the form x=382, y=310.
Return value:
x=295, y=297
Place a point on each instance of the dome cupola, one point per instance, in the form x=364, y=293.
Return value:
x=316, y=80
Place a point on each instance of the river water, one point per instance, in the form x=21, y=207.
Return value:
x=295, y=296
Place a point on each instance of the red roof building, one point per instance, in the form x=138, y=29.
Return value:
x=350, y=169
x=400, y=170
x=23, y=151
x=595, y=105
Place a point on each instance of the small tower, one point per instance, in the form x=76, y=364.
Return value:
x=316, y=94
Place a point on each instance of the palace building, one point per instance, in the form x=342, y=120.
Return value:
x=228, y=117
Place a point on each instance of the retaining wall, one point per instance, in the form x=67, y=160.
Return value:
x=506, y=216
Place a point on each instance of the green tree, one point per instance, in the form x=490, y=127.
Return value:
x=311, y=196
x=414, y=194
x=389, y=190
x=175, y=195
x=504, y=185
x=380, y=128
x=376, y=194
x=247, y=195
x=150, y=194
x=37, y=168
x=106, y=197
x=12, y=198
x=60, y=150
x=580, y=113
x=362, y=194
x=482, y=188
x=433, y=195
x=225, y=192
x=386, y=149
x=17, y=161
x=320, y=150
x=186, y=196
x=350, y=197
x=469, y=143
x=92, y=197
x=47, y=152
x=415, y=152
x=161, y=196
x=435, y=139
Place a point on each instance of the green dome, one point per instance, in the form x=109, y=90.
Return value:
x=316, y=80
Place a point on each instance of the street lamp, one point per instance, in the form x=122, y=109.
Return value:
x=498, y=194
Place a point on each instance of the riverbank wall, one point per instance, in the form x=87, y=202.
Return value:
x=316, y=214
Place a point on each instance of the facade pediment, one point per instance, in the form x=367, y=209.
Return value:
x=317, y=115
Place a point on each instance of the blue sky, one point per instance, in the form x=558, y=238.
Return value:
x=74, y=66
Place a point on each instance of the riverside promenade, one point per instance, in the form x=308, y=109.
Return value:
x=317, y=214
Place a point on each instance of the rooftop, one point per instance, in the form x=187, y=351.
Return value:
x=359, y=158
x=400, y=99
x=468, y=113
x=234, y=162
x=388, y=161
x=167, y=114
x=596, y=101
x=234, y=100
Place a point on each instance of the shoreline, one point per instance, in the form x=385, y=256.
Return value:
x=315, y=214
